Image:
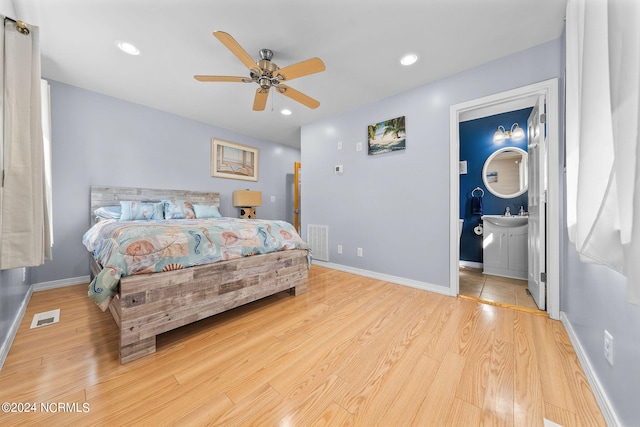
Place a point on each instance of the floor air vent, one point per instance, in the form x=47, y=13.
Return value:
x=318, y=239
x=46, y=318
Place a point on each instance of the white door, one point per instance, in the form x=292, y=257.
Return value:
x=537, y=204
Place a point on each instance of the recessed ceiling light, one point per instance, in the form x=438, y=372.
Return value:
x=409, y=58
x=285, y=112
x=127, y=47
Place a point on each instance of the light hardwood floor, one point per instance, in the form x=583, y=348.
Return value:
x=496, y=289
x=351, y=351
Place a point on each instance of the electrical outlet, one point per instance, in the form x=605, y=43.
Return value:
x=359, y=252
x=340, y=249
x=608, y=347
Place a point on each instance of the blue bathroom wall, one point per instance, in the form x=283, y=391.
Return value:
x=476, y=145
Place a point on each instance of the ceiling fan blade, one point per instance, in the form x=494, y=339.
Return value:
x=298, y=96
x=304, y=68
x=235, y=48
x=260, y=100
x=221, y=79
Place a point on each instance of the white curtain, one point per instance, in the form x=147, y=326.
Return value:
x=24, y=229
x=603, y=98
x=48, y=173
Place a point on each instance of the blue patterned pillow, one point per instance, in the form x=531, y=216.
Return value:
x=108, y=212
x=132, y=210
x=206, y=211
x=178, y=209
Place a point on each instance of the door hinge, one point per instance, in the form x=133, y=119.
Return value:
x=543, y=118
x=543, y=277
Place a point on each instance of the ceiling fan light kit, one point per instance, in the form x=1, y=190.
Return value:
x=267, y=74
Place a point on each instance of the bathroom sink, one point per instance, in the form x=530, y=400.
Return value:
x=506, y=221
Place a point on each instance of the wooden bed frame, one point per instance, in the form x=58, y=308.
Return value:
x=150, y=304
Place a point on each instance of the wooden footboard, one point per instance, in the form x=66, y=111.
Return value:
x=150, y=304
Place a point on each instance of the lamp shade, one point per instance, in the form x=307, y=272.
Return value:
x=499, y=135
x=516, y=132
x=247, y=198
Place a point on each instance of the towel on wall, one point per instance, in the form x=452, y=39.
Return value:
x=476, y=205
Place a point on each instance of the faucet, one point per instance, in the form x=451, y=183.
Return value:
x=507, y=211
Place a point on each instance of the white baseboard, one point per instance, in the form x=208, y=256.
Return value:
x=13, y=331
x=608, y=412
x=43, y=286
x=386, y=277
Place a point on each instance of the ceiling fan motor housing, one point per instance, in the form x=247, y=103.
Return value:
x=267, y=66
x=264, y=75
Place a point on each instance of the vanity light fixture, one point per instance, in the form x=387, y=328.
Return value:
x=515, y=133
x=127, y=47
x=409, y=59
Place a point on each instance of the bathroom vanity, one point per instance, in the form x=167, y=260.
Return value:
x=505, y=243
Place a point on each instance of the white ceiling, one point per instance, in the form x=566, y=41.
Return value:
x=360, y=42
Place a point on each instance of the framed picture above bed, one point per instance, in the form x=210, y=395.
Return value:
x=235, y=161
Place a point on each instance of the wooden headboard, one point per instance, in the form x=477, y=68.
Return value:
x=111, y=196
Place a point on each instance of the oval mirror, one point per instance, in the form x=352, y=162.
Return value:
x=506, y=172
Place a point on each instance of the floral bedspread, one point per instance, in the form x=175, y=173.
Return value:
x=125, y=248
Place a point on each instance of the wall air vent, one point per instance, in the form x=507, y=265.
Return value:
x=318, y=239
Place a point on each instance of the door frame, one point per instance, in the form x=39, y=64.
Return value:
x=494, y=104
x=296, y=196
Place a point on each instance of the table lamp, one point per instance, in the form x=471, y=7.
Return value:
x=247, y=201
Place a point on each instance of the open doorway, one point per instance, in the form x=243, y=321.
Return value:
x=495, y=104
x=494, y=181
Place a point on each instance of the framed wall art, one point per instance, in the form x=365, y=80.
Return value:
x=387, y=136
x=235, y=161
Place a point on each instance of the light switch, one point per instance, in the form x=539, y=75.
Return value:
x=273, y=199
x=462, y=167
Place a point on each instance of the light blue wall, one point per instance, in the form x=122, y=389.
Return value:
x=14, y=297
x=476, y=145
x=594, y=299
x=396, y=206
x=99, y=140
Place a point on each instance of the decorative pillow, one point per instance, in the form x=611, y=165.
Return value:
x=178, y=209
x=132, y=210
x=108, y=212
x=206, y=211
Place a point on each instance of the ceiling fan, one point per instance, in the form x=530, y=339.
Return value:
x=267, y=74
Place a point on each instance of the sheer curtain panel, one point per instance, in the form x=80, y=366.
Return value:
x=602, y=134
